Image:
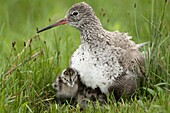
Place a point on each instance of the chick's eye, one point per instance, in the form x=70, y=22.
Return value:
x=75, y=13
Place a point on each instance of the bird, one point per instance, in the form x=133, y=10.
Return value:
x=66, y=85
x=69, y=87
x=108, y=60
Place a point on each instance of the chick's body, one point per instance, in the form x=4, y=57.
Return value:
x=66, y=84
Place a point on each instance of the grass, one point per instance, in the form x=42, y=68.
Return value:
x=28, y=87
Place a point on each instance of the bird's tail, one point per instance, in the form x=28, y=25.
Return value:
x=142, y=44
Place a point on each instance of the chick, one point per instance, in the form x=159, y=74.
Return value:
x=66, y=84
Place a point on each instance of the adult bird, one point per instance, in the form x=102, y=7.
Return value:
x=105, y=60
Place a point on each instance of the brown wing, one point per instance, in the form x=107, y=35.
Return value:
x=134, y=61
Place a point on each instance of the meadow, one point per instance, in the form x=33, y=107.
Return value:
x=29, y=62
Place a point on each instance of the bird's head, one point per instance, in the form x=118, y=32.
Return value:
x=69, y=76
x=78, y=15
x=56, y=84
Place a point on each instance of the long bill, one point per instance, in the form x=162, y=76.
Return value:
x=60, y=22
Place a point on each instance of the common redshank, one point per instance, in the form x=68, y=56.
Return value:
x=66, y=84
x=69, y=87
x=105, y=60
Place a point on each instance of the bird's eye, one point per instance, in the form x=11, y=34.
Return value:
x=65, y=79
x=75, y=78
x=75, y=13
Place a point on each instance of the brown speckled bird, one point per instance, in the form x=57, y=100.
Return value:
x=66, y=84
x=106, y=60
x=69, y=87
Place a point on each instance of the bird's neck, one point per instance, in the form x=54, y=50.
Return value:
x=91, y=32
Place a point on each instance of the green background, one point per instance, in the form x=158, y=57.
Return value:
x=28, y=87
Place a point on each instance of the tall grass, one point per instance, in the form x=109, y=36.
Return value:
x=27, y=88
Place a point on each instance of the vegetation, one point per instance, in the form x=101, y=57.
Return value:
x=29, y=63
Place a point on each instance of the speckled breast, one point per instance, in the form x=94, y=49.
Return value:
x=96, y=68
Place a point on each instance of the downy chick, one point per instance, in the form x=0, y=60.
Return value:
x=66, y=84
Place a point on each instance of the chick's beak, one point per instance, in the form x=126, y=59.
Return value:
x=60, y=22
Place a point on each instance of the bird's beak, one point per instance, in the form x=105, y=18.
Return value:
x=71, y=84
x=60, y=22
